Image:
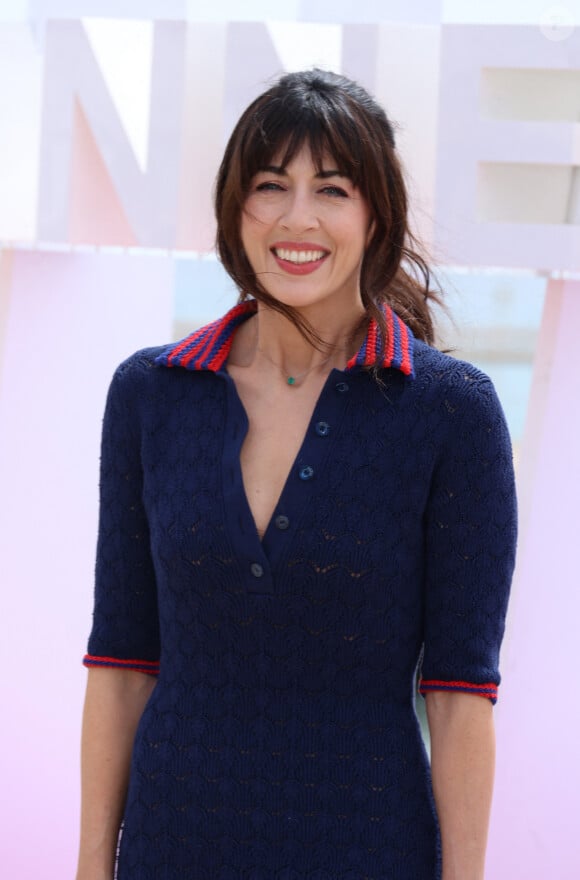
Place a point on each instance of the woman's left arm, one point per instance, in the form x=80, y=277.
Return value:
x=462, y=766
x=470, y=542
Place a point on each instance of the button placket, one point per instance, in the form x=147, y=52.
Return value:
x=255, y=567
x=300, y=488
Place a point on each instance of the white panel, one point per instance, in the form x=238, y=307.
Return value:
x=409, y=93
x=167, y=10
x=307, y=45
x=467, y=139
x=513, y=12
x=72, y=74
x=509, y=192
x=551, y=95
x=20, y=103
x=13, y=10
x=234, y=10
x=124, y=52
x=371, y=11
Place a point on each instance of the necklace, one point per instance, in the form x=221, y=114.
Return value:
x=292, y=380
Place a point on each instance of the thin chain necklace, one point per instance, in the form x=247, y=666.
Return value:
x=292, y=380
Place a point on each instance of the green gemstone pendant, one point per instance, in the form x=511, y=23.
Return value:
x=291, y=380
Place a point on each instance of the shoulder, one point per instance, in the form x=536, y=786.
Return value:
x=443, y=370
x=141, y=362
x=139, y=381
x=135, y=371
x=455, y=398
x=449, y=379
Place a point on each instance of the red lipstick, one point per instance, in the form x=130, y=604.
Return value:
x=298, y=258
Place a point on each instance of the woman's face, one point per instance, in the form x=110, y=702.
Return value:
x=305, y=232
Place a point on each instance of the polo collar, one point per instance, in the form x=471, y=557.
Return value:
x=208, y=348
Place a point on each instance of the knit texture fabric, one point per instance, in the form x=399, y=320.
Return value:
x=280, y=741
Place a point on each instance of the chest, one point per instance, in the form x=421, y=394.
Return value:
x=335, y=485
x=278, y=422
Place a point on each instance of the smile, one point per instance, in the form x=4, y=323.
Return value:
x=298, y=257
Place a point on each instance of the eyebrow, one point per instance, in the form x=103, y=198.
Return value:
x=321, y=175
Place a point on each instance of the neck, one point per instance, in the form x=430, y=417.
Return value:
x=278, y=340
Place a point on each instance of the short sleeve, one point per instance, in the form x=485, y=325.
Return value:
x=125, y=631
x=470, y=545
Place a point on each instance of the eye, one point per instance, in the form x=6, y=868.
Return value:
x=269, y=186
x=332, y=190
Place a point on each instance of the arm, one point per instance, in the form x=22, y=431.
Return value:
x=470, y=535
x=462, y=765
x=114, y=702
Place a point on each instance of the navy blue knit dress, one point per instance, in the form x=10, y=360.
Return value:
x=280, y=741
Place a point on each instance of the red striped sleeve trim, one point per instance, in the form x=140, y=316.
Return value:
x=150, y=667
x=488, y=690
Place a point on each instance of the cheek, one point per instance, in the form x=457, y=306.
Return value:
x=249, y=230
x=252, y=241
x=258, y=212
x=253, y=236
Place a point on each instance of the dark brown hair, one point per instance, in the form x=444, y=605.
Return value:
x=335, y=116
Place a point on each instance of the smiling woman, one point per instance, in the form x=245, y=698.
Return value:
x=304, y=508
x=298, y=221
x=344, y=131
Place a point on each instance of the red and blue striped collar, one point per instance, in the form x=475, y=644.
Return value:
x=208, y=348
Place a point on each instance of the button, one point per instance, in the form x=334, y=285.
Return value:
x=341, y=387
x=282, y=522
x=306, y=473
x=322, y=429
x=256, y=569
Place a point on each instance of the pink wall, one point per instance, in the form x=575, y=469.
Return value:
x=71, y=319
x=534, y=833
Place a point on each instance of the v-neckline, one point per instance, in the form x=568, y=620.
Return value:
x=266, y=552
x=272, y=445
x=294, y=463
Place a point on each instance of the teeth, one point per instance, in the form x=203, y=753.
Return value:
x=298, y=256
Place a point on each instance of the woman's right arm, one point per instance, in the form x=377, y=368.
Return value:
x=114, y=703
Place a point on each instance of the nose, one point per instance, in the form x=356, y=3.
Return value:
x=299, y=212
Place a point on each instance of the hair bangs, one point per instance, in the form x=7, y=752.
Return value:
x=281, y=131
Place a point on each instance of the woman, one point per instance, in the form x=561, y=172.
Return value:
x=304, y=506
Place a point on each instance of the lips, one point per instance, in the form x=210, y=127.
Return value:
x=299, y=259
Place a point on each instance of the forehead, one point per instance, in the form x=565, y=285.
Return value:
x=304, y=159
